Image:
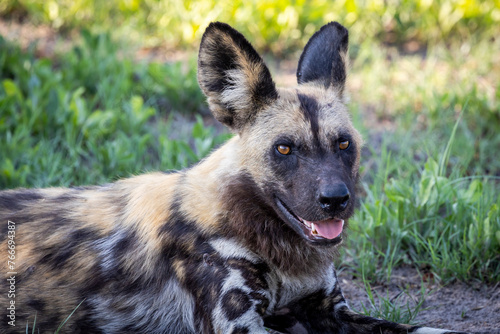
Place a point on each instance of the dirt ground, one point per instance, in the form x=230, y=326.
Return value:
x=458, y=306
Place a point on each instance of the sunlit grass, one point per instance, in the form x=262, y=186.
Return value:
x=424, y=214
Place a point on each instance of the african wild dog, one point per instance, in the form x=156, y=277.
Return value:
x=242, y=241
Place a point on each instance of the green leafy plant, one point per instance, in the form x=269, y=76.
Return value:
x=83, y=118
x=394, y=309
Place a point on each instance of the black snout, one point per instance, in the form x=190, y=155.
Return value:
x=334, y=197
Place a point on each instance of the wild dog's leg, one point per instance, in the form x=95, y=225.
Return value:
x=357, y=323
x=323, y=312
x=242, y=301
x=232, y=288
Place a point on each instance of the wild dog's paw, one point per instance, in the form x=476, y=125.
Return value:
x=283, y=321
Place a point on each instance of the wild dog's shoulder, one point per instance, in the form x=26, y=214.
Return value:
x=149, y=197
x=228, y=249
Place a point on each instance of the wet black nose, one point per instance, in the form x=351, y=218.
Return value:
x=334, y=197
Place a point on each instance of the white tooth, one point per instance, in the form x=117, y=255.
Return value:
x=313, y=229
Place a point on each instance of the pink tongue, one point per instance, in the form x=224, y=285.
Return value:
x=329, y=228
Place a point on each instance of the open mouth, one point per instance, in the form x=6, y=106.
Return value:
x=327, y=231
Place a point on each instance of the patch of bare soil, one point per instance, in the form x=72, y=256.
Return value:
x=457, y=306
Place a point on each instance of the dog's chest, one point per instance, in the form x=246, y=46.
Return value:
x=279, y=287
x=291, y=288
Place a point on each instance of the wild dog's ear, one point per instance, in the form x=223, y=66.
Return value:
x=324, y=59
x=233, y=76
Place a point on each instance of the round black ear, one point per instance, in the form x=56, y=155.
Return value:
x=324, y=59
x=233, y=76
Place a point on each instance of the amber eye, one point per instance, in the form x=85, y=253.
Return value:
x=284, y=149
x=344, y=144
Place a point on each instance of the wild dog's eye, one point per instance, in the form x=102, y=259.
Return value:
x=283, y=149
x=343, y=145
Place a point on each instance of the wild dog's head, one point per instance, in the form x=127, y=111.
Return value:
x=298, y=145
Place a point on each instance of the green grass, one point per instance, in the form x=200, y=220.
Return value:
x=59, y=328
x=396, y=308
x=88, y=117
x=430, y=177
x=431, y=120
x=418, y=214
x=426, y=95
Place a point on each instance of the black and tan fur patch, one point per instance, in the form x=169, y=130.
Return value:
x=241, y=242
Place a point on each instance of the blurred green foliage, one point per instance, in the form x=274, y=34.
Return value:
x=274, y=25
x=424, y=94
x=88, y=117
